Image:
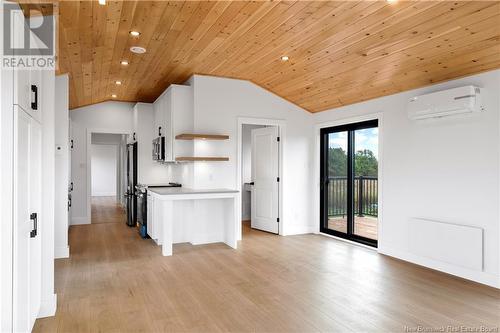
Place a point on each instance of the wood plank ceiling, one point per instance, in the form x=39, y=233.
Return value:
x=340, y=52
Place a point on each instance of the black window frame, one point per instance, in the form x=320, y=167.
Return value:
x=324, y=132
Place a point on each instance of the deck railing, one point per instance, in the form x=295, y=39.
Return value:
x=365, y=196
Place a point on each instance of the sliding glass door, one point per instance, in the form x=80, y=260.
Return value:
x=349, y=181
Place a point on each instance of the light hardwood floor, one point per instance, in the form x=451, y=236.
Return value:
x=115, y=281
x=106, y=210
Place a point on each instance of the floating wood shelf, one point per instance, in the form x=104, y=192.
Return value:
x=189, y=136
x=193, y=159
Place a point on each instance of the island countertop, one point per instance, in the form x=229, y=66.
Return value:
x=185, y=190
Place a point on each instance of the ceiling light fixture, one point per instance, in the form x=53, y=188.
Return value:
x=113, y=96
x=284, y=58
x=118, y=83
x=124, y=62
x=137, y=49
x=135, y=33
x=392, y=1
x=102, y=2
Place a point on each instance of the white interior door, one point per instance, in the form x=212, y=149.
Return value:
x=36, y=230
x=265, y=173
x=27, y=239
x=22, y=225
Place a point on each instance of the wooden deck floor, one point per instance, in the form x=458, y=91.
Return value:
x=115, y=281
x=365, y=226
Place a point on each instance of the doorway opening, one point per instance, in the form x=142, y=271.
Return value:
x=259, y=176
x=107, y=174
x=349, y=182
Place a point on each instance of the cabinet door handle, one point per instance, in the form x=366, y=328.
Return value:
x=33, y=232
x=34, y=89
x=159, y=130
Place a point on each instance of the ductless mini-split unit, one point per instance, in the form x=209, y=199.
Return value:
x=445, y=103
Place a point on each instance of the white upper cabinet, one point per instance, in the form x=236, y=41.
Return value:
x=173, y=116
x=27, y=82
x=21, y=77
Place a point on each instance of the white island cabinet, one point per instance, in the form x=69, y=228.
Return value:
x=181, y=215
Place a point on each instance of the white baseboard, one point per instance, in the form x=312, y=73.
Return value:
x=80, y=220
x=48, y=307
x=299, y=230
x=61, y=252
x=476, y=276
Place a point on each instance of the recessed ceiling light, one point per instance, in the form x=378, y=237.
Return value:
x=392, y=1
x=102, y=2
x=284, y=58
x=137, y=49
x=124, y=62
x=135, y=33
x=118, y=82
x=113, y=96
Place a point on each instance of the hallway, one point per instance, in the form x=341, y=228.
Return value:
x=107, y=210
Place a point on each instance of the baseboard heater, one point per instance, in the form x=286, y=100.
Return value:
x=450, y=243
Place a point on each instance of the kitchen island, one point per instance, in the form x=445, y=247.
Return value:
x=198, y=216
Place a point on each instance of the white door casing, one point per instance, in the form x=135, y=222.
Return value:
x=265, y=173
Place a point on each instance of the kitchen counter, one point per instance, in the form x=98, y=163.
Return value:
x=197, y=216
x=185, y=190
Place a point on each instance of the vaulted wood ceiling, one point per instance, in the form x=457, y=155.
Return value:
x=340, y=52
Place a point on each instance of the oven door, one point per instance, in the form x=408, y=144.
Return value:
x=142, y=213
x=141, y=208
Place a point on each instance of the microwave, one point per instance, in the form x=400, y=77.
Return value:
x=159, y=149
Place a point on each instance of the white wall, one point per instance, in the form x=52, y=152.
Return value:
x=62, y=165
x=120, y=141
x=444, y=169
x=246, y=168
x=218, y=103
x=107, y=117
x=106, y=139
x=104, y=161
